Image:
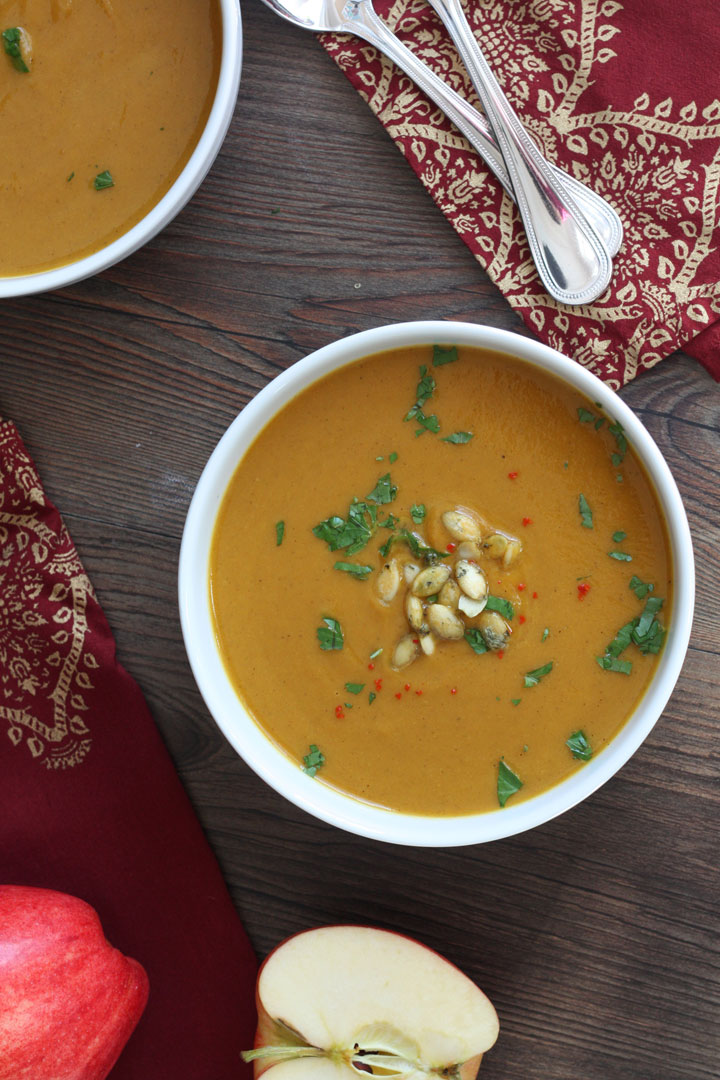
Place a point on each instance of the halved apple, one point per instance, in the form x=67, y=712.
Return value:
x=340, y=1001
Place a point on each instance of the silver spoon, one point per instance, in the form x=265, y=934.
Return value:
x=572, y=261
x=359, y=18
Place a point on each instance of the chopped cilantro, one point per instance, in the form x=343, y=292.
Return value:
x=586, y=517
x=640, y=588
x=621, y=556
x=425, y=388
x=619, y=536
x=12, y=38
x=384, y=549
x=443, y=355
x=354, y=569
x=618, y=433
x=459, y=437
x=279, y=532
x=371, y=697
x=330, y=635
x=579, y=746
x=613, y=663
x=476, y=641
x=585, y=416
x=532, y=678
x=417, y=513
x=419, y=548
x=354, y=687
x=103, y=180
x=501, y=605
x=508, y=782
x=313, y=761
x=515, y=701
x=545, y=634
x=392, y=458
x=351, y=533
x=427, y=423
x=599, y=422
x=383, y=492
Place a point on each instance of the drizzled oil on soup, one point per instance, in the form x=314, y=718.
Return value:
x=440, y=580
x=102, y=103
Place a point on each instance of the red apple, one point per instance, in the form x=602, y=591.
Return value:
x=341, y=1001
x=68, y=1000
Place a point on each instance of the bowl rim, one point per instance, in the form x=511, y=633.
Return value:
x=268, y=760
x=178, y=194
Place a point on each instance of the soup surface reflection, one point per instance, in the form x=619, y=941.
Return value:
x=451, y=680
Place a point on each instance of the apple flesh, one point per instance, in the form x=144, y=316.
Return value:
x=68, y=1000
x=343, y=1001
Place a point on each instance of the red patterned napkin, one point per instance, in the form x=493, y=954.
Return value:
x=91, y=803
x=622, y=95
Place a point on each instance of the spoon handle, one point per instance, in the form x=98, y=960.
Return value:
x=362, y=20
x=572, y=261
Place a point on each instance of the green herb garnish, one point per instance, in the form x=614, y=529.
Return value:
x=459, y=437
x=313, y=761
x=613, y=663
x=354, y=569
x=644, y=631
x=586, y=517
x=640, y=588
x=371, y=697
x=508, y=782
x=443, y=355
x=579, y=746
x=279, y=532
x=427, y=423
x=618, y=433
x=351, y=533
x=501, y=605
x=476, y=641
x=532, y=678
x=419, y=549
x=354, y=687
x=515, y=701
x=392, y=458
x=103, y=180
x=330, y=635
x=384, y=491
x=619, y=536
x=545, y=634
x=12, y=38
x=621, y=556
x=585, y=416
x=417, y=513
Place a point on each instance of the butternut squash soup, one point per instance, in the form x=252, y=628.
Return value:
x=440, y=580
x=101, y=104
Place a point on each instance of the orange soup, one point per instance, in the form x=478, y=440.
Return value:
x=440, y=580
x=101, y=102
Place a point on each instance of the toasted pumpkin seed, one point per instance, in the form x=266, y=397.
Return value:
x=387, y=582
x=427, y=644
x=513, y=549
x=445, y=622
x=431, y=580
x=462, y=524
x=469, y=549
x=471, y=607
x=449, y=594
x=471, y=579
x=494, y=629
x=495, y=545
x=404, y=652
x=410, y=572
x=414, y=611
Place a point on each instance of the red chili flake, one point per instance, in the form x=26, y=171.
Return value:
x=521, y=619
x=399, y=694
x=407, y=685
x=339, y=712
x=419, y=693
x=454, y=690
x=450, y=546
x=371, y=667
x=500, y=654
x=416, y=641
x=527, y=521
x=534, y=596
x=583, y=590
x=512, y=476
x=378, y=684
x=522, y=587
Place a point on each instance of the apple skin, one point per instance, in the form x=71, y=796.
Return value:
x=266, y=1032
x=69, y=1001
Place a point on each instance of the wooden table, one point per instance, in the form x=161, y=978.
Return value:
x=596, y=935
